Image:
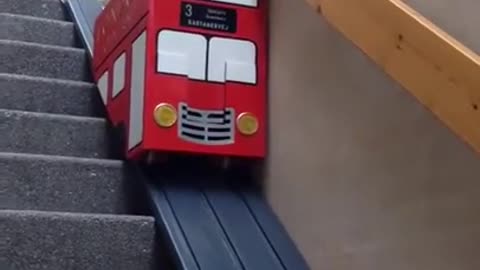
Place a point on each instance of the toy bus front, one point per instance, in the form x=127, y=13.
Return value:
x=206, y=77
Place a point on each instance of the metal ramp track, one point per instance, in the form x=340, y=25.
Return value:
x=207, y=224
x=214, y=225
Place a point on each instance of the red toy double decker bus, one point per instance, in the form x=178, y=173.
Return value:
x=186, y=76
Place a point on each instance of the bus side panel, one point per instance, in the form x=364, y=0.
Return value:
x=114, y=79
x=127, y=107
x=113, y=24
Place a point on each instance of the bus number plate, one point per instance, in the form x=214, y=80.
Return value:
x=208, y=17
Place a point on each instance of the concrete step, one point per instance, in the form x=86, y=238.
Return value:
x=52, y=240
x=38, y=30
x=37, y=94
x=51, y=9
x=52, y=134
x=70, y=184
x=18, y=57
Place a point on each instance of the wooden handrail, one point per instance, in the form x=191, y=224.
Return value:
x=439, y=71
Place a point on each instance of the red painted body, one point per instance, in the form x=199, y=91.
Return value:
x=122, y=21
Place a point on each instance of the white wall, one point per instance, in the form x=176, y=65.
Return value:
x=362, y=176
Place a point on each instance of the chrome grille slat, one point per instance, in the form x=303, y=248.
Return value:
x=203, y=133
x=194, y=119
x=213, y=127
x=203, y=124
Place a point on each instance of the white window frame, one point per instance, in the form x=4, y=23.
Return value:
x=119, y=75
x=137, y=91
x=102, y=86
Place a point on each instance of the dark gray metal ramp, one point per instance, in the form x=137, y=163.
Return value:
x=84, y=13
x=274, y=231
x=214, y=221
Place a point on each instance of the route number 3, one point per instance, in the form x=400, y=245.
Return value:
x=188, y=10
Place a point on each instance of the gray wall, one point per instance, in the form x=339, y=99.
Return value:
x=362, y=176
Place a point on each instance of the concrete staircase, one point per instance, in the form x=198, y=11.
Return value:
x=65, y=202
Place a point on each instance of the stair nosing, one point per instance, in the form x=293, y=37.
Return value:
x=46, y=79
x=55, y=115
x=34, y=18
x=27, y=212
x=61, y=158
x=43, y=46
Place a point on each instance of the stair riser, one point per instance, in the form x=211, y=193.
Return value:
x=42, y=31
x=50, y=9
x=36, y=95
x=71, y=185
x=44, y=61
x=60, y=241
x=52, y=135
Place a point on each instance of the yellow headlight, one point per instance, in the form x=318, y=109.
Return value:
x=247, y=123
x=165, y=115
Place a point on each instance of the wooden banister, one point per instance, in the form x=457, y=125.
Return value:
x=439, y=71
